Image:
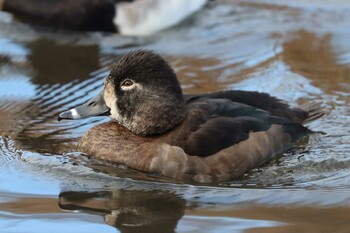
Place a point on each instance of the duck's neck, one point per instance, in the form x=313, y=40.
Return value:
x=157, y=116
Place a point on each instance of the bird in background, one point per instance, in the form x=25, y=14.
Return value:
x=127, y=17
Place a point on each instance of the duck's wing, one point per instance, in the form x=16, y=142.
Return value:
x=264, y=101
x=215, y=124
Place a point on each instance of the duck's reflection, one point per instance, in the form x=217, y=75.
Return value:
x=129, y=210
x=62, y=63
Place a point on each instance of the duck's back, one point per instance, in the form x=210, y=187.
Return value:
x=261, y=101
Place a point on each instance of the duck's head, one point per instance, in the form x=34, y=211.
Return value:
x=141, y=93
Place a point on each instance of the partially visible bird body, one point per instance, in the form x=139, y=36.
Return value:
x=145, y=17
x=128, y=17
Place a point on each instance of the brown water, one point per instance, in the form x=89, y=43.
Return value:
x=298, y=51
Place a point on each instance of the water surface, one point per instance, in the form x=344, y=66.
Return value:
x=296, y=51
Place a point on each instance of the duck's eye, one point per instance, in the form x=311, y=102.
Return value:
x=127, y=83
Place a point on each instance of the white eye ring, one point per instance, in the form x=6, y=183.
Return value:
x=129, y=84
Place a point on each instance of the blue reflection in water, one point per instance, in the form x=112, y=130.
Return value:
x=221, y=224
x=15, y=51
x=53, y=223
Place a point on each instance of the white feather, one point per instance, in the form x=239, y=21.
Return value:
x=144, y=17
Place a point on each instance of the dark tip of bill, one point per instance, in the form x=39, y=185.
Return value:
x=64, y=115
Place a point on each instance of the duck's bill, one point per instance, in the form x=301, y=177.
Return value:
x=94, y=107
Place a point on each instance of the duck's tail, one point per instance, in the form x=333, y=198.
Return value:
x=314, y=111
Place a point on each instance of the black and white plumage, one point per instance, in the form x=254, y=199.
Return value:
x=128, y=17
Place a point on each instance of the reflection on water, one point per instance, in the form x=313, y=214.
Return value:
x=315, y=57
x=297, y=51
x=55, y=63
x=155, y=211
x=151, y=211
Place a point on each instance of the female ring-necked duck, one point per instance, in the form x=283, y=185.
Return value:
x=157, y=129
x=128, y=17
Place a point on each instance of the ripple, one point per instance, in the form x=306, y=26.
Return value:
x=277, y=80
x=297, y=54
x=16, y=52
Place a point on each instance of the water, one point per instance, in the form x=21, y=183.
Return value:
x=296, y=51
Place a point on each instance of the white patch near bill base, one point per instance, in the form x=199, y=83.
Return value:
x=74, y=113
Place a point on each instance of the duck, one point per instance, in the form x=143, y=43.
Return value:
x=157, y=129
x=127, y=17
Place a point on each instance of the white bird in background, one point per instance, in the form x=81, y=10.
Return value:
x=127, y=17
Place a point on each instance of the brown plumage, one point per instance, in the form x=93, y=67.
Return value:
x=156, y=129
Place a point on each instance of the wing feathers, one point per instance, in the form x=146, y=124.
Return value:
x=217, y=124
